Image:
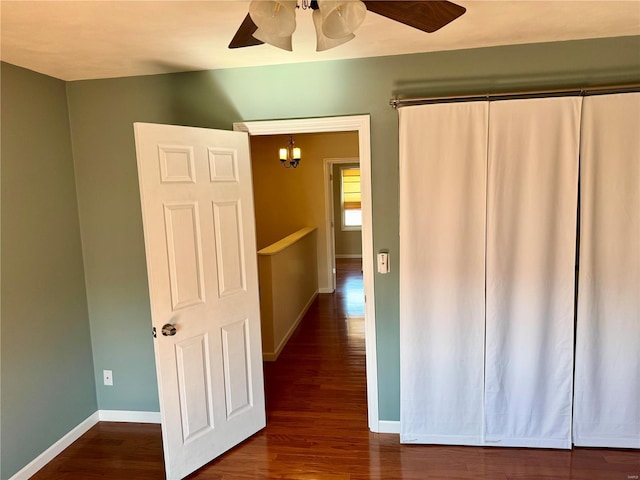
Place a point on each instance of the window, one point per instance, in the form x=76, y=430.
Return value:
x=350, y=198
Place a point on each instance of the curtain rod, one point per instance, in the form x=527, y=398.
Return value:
x=583, y=92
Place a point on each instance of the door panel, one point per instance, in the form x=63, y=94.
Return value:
x=182, y=231
x=231, y=268
x=176, y=164
x=236, y=367
x=196, y=407
x=223, y=165
x=199, y=226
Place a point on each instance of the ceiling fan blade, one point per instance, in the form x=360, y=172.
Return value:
x=427, y=16
x=243, y=37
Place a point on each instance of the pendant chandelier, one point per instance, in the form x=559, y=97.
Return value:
x=290, y=156
x=335, y=21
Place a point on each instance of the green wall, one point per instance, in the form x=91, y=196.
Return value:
x=102, y=113
x=46, y=366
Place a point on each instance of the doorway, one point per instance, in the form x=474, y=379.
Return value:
x=360, y=124
x=343, y=240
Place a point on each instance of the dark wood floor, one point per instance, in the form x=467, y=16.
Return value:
x=317, y=425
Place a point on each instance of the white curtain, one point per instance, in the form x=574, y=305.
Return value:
x=607, y=376
x=503, y=378
x=442, y=227
x=531, y=237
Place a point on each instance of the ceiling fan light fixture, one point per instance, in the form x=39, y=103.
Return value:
x=273, y=17
x=283, y=42
x=322, y=41
x=341, y=18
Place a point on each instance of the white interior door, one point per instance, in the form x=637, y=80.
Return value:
x=199, y=228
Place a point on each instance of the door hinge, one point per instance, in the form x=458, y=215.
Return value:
x=155, y=334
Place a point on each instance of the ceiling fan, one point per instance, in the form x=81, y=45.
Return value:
x=273, y=21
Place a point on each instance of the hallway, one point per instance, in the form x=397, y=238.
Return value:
x=316, y=397
x=317, y=425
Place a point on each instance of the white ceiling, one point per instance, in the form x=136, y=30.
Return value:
x=88, y=39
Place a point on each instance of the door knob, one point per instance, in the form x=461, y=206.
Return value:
x=168, y=330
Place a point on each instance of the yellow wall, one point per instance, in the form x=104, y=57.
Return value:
x=287, y=200
x=288, y=286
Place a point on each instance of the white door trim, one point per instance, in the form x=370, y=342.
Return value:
x=330, y=221
x=360, y=124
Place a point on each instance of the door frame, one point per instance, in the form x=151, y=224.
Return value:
x=330, y=220
x=362, y=125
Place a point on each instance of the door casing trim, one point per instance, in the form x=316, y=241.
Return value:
x=362, y=125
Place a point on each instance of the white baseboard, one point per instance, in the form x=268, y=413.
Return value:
x=348, y=255
x=128, y=416
x=273, y=356
x=100, y=416
x=56, y=449
x=326, y=290
x=388, y=426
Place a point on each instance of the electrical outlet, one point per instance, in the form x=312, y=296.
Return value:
x=108, y=377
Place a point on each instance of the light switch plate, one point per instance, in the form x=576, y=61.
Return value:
x=383, y=262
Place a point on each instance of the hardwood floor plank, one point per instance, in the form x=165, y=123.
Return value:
x=317, y=425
